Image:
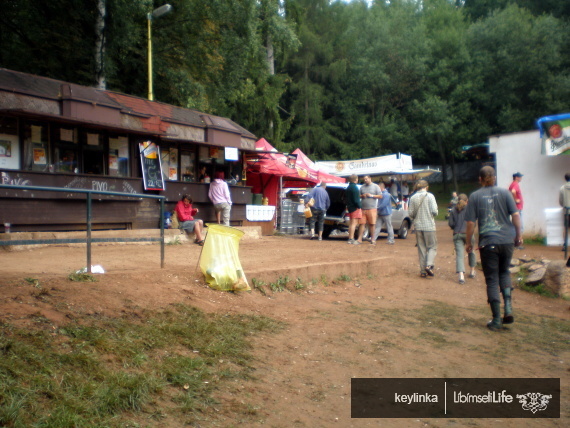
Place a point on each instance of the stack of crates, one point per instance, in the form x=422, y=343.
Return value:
x=298, y=218
x=286, y=217
x=292, y=218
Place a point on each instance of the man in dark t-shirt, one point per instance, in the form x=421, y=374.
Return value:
x=353, y=207
x=491, y=207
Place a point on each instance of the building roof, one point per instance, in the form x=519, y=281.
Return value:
x=42, y=96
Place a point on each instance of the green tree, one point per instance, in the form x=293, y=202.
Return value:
x=522, y=68
x=386, y=72
x=443, y=112
x=311, y=70
x=49, y=38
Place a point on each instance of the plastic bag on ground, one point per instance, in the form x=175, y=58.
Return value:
x=219, y=260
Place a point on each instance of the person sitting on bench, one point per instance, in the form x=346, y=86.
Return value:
x=185, y=214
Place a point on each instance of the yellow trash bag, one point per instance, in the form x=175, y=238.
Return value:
x=219, y=260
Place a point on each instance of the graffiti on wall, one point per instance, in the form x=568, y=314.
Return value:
x=75, y=183
x=14, y=181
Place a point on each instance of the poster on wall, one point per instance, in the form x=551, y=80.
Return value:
x=173, y=164
x=40, y=156
x=9, y=152
x=66, y=135
x=5, y=148
x=151, y=166
x=113, y=164
x=36, y=134
x=231, y=153
x=93, y=139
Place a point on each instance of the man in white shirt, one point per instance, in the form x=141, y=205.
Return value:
x=422, y=210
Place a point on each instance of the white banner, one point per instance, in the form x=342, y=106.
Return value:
x=370, y=166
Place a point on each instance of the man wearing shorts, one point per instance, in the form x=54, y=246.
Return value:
x=369, y=193
x=353, y=206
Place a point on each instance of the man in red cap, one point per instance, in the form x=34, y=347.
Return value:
x=515, y=190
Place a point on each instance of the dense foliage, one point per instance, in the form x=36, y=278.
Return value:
x=338, y=79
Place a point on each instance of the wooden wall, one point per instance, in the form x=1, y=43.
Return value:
x=44, y=210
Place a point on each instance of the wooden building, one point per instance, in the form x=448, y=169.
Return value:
x=58, y=134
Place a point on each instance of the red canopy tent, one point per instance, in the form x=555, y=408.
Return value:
x=304, y=162
x=268, y=170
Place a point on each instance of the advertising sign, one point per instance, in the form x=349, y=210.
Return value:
x=151, y=167
x=555, y=134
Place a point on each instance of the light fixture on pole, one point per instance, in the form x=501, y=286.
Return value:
x=156, y=13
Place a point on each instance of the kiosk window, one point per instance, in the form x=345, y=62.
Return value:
x=93, y=153
x=187, y=165
x=9, y=143
x=36, y=146
x=119, y=156
x=66, y=150
x=169, y=160
x=66, y=160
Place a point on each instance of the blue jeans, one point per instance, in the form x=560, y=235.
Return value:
x=496, y=260
x=319, y=218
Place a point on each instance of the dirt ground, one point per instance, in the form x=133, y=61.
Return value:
x=363, y=311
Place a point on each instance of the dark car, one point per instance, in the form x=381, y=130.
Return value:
x=336, y=217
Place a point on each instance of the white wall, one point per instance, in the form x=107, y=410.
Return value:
x=543, y=175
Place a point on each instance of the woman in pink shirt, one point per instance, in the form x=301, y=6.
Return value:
x=185, y=213
x=219, y=194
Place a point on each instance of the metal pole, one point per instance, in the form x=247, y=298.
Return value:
x=162, y=233
x=150, y=92
x=89, y=217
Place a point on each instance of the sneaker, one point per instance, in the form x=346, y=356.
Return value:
x=429, y=270
x=373, y=242
x=350, y=241
x=356, y=243
x=320, y=238
x=313, y=237
x=390, y=242
x=471, y=275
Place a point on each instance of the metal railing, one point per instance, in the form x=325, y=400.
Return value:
x=89, y=239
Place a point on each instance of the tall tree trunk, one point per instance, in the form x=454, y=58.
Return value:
x=100, y=45
x=454, y=173
x=306, y=77
x=443, y=164
x=270, y=58
x=270, y=55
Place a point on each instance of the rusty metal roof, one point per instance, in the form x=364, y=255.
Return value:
x=23, y=84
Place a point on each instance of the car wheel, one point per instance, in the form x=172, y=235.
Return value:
x=403, y=231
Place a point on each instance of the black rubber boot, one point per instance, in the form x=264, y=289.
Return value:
x=496, y=324
x=508, y=318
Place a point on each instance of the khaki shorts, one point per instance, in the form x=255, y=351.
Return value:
x=369, y=216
